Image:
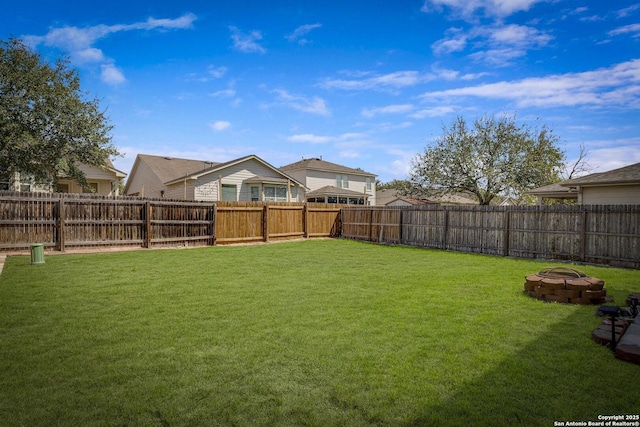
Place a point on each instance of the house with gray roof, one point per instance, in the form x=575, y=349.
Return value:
x=615, y=187
x=104, y=180
x=333, y=183
x=247, y=178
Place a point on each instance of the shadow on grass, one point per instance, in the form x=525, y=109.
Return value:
x=552, y=379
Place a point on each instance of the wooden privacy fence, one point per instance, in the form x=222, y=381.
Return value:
x=61, y=221
x=593, y=234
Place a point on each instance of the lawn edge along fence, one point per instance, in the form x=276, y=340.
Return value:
x=70, y=221
x=597, y=234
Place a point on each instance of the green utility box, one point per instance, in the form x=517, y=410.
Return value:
x=37, y=253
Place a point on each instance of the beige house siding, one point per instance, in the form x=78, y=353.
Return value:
x=317, y=179
x=300, y=176
x=144, y=182
x=208, y=186
x=179, y=191
x=611, y=195
x=105, y=181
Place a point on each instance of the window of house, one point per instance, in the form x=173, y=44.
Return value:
x=25, y=188
x=369, y=184
x=62, y=188
x=255, y=194
x=342, y=181
x=342, y=200
x=275, y=194
x=229, y=193
x=92, y=188
x=332, y=199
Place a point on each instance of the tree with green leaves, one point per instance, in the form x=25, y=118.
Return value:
x=492, y=157
x=47, y=126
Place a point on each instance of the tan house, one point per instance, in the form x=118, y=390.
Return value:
x=332, y=183
x=392, y=197
x=410, y=201
x=104, y=181
x=247, y=178
x=616, y=187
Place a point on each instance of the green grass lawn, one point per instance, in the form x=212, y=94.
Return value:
x=320, y=333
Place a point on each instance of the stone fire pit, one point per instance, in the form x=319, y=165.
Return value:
x=566, y=285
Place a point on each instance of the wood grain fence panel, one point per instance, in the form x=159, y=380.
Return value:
x=477, y=229
x=181, y=223
x=238, y=222
x=385, y=225
x=24, y=221
x=356, y=223
x=424, y=227
x=91, y=222
x=612, y=235
x=285, y=220
x=545, y=232
x=323, y=220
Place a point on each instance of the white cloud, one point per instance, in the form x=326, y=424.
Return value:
x=246, y=42
x=344, y=138
x=313, y=105
x=467, y=9
x=111, y=74
x=310, y=138
x=90, y=54
x=398, y=79
x=220, y=125
x=398, y=168
x=633, y=29
x=623, y=13
x=617, y=85
x=455, y=41
x=217, y=72
x=301, y=31
x=349, y=154
x=225, y=93
x=497, y=45
x=389, y=109
x=433, y=112
x=79, y=41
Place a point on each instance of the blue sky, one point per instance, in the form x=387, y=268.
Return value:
x=363, y=84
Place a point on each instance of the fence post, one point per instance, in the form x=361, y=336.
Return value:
x=507, y=226
x=370, y=225
x=61, y=224
x=400, y=225
x=583, y=234
x=305, y=220
x=214, y=213
x=147, y=240
x=446, y=228
x=265, y=222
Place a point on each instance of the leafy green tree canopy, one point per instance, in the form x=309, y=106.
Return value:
x=47, y=126
x=492, y=157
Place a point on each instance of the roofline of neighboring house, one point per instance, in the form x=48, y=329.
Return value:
x=328, y=190
x=414, y=201
x=119, y=173
x=349, y=170
x=626, y=175
x=571, y=184
x=133, y=168
x=220, y=166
